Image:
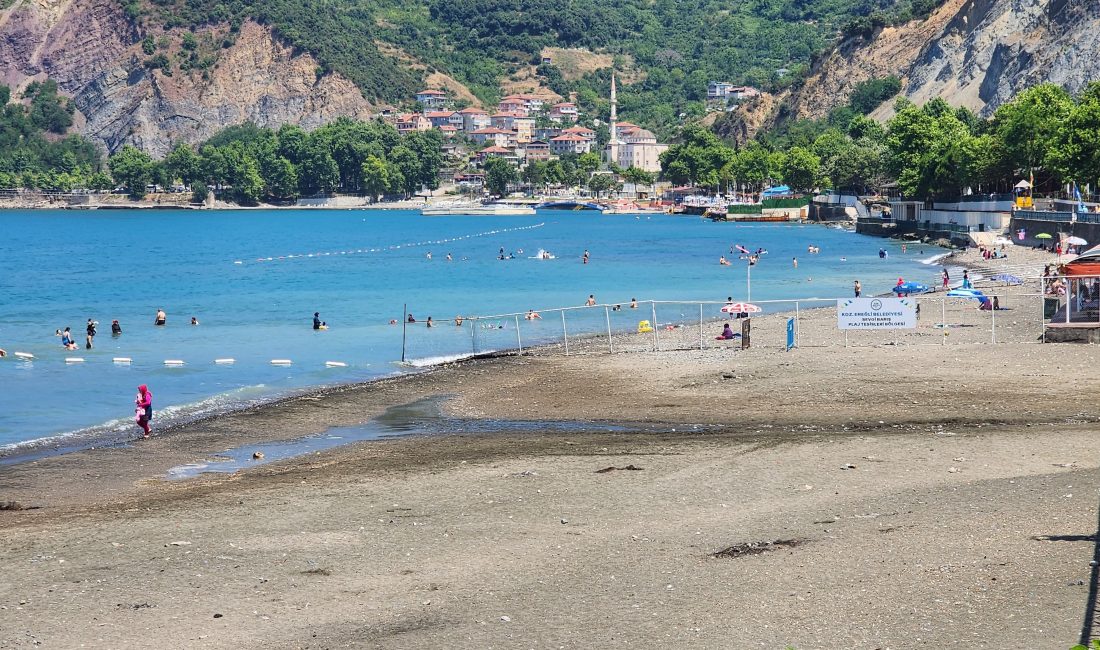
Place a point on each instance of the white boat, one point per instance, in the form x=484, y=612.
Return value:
x=478, y=209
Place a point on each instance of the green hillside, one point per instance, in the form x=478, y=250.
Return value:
x=675, y=46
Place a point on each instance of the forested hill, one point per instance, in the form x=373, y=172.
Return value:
x=668, y=49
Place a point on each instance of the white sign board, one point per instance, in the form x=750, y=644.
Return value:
x=876, y=313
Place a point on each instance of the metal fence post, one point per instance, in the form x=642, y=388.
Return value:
x=519, y=338
x=564, y=331
x=993, y=316
x=474, y=324
x=796, y=327
x=943, y=320
x=653, y=323
x=610, y=343
x=700, y=326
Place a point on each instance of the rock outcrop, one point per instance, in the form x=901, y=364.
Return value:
x=973, y=53
x=93, y=52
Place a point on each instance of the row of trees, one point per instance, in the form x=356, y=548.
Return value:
x=256, y=164
x=929, y=151
x=570, y=170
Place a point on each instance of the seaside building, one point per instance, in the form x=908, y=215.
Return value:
x=494, y=136
x=537, y=150
x=497, y=152
x=570, y=143
x=474, y=119
x=631, y=145
x=409, y=122
x=432, y=99
x=564, y=112
x=546, y=132
x=582, y=131
x=440, y=118
x=640, y=149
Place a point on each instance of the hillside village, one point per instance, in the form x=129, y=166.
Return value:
x=527, y=128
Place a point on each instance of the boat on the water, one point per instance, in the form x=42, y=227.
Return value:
x=467, y=208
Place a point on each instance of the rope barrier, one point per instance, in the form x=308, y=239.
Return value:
x=434, y=242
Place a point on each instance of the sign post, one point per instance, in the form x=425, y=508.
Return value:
x=876, y=313
x=790, y=334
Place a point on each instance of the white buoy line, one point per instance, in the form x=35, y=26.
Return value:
x=173, y=363
x=434, y=242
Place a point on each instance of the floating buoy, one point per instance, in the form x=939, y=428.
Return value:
x=173, y=362
x=281, y=362
x=335, y=364
x=122, y=360
x=225, y=362
x=26, y=356
x=74, y=359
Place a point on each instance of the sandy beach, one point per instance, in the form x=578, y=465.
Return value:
x=872, y=496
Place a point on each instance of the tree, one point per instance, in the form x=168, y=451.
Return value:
x=534, y=174
x=599, y=183
x=282, y=179
x=375, y=177
x=132, y=168
x=638, y=177
x=1074, y=154
x=1029, y=124
x=183, y=164
x=499, y=173
x=801, y=169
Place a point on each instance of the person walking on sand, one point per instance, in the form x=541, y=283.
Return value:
x=858, y=288
x=946, y=278
x=143, y=409
x=161, y=317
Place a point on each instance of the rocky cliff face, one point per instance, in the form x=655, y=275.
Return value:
x=92, y=51
x=973, y=53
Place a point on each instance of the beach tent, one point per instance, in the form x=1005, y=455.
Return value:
x=777, y=191
x=1087, y=263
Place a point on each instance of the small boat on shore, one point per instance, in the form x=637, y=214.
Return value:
x=493, y=209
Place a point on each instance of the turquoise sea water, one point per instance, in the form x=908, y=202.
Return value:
x=357, y=268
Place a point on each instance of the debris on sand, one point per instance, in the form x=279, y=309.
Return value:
x=632, y=468
x=756, y=548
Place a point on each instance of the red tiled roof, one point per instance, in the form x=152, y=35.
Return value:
x=495, y=149
x=431, y=114
x=569, y=138
x=487, y=131
x=472, y=111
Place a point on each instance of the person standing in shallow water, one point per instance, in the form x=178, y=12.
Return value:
x=316, y=320
x=858, y=288
x=143, y=409
x=161, y=318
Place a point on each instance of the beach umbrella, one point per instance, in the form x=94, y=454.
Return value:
x=1075, y=241
x=972, y=294
x=1008, y=278
x=1043, y=235
x=741, y=308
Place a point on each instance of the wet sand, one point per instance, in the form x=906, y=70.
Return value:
x=933, y=496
